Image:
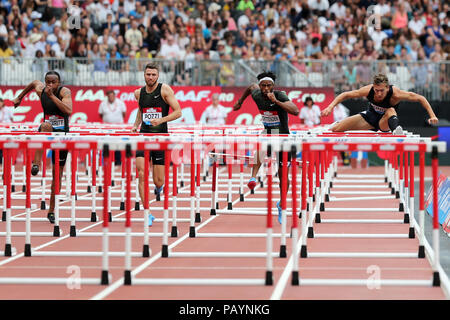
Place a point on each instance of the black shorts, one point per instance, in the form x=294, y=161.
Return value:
x=373, y=118
x=156, y=156
x=62, y=153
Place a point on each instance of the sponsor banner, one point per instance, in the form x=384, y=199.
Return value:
x=443, y=202
x=193, y=101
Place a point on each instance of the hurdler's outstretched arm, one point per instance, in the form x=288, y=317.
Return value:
x=246, y=93
x=359, y=93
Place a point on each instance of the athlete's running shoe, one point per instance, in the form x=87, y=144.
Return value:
x=279, y=212
x=398, y=131
x=150, y=219
x=34, y=169
x=51, y=217
x=159, y=190
x=252, y=183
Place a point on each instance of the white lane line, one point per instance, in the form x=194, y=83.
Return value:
x=281, y=284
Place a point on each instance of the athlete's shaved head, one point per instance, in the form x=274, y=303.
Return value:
x=53, y=80
x=52, y=72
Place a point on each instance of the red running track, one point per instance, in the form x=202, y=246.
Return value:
x=222, y=268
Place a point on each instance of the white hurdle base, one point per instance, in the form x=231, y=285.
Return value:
x=13, y=252
x=362, y=221
x=348, y=175
x=221, y=254
x=45, y=219
x=238, y=235
x=40, y=281
x=362, y=209
x=118, y=234
x=365, y=282
x=334, y=199
x=362, y=255
x=199, y=282
x=361, y=235
x=33, y=234
x=359, y=186
x=81, y=254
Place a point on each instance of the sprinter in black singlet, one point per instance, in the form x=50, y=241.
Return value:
x=56, y=102
x=381, y=113
x=154, y=100
x=274, y=106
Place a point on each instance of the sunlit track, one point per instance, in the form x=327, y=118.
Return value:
x=327, y=217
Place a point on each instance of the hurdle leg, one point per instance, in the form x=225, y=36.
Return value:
x=422, y=204
x=56, y=177
x=68, y=168
x=24, y=188
x=241, y=181
x=213, y=187
x=127, y=273
x=27, y=156
x=434, y=169
x=4, y=199
x=94, y=184
x=122, y=194
x=137, y=197
x=269, y=239
x=73, y=187
x=182, y=174
x=13, y=169
x=198, y=218
x=284, y=177
x=411, y=196
x=406, y=193
x=7, y=180
x=146, y=247
x=174, y=232
x=230, y=176
x=192, y=215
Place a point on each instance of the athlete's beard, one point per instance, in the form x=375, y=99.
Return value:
x=149, y=84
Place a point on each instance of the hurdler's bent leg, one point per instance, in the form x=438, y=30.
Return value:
x=252, y=183
x=45, y=127
x=355, y=122
x=389, y=122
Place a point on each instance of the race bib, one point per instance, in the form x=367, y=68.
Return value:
x=378, y=109
x=151, y=113
x=270, y=118
x=56, y=121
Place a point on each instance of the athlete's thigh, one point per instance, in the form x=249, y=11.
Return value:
x=158, y=173
x=383, y=123
x=140, y=162
x=355, y=122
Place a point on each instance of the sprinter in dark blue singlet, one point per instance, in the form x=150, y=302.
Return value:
x=274, y=106
x=381, y=113
x=56, y=102
x=155, y=99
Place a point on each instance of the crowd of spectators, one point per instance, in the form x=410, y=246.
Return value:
x=253, y=31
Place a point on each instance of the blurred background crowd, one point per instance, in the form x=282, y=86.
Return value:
x=337, y=41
